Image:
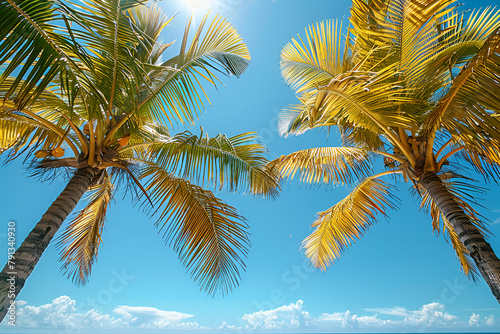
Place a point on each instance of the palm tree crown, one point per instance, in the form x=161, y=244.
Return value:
x=416, y=83
x=89, y=87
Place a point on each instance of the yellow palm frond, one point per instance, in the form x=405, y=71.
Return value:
x=13, y=134
x=79, y=243
x=324, y=165
x=368, y=100
x=317, y=59
x=19, y=133
x=463, y=110
x=294, y=119
x=462, y=38
x=209, y=236
x=483, y=155
x=400, y=24
x=340, y=226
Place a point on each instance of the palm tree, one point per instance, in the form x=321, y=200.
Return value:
x=413, y=86
x=95, y=97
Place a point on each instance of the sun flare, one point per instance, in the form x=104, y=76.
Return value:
x=198, y=5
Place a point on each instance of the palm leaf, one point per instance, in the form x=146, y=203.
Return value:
x=403, y=25
x=209, y=236
x=176, y=92
x=237, y=163
x=366, y=99
x=306, y=64
x=340, y=226
x=324, y=165
x=13, y=134
x=111, y=40
x=150, y=21
x=34, y=48
x=462, y=111
x=80, y=241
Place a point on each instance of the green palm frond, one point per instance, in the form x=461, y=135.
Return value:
x=209, y=236
x=324, y=165
x=236, y=163
x=340, y=226
x=111, y=42
x=35, y=48
x=30, y=45
x=150, y=22
x=79, y=243
x=176, y=92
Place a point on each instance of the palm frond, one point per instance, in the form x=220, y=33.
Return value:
x=176, y=92
x=369, y=100
x=483, y=155
x=324, y=165
x=236, y=163
x=20, y=133
x=108, y=35
x=463, y=110
x=80, y=241
x=29, y=45
x=314, y=61
x=150, y=22
x=294, y=119
x=400, y=24
x=463, y=38
x=13, y=134
x=340, y=226
x=35, y=48
x=209, y=236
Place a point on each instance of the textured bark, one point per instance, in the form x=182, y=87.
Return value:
x=480, y=250
x=27, y=256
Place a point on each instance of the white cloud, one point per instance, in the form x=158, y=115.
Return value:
x=430, y=315
x=62, y=313
x=490, y=321
x=150, y=317
x=474, y=319
x=396, y=311
x=283, y=317
x=293, y=316
x=346, y=320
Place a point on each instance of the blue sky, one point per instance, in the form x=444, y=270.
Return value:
x=398, y=278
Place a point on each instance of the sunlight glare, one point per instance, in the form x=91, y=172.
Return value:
x=198, y=5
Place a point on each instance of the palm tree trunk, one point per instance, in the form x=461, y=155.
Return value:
x=480, y=250
x=26, y=257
